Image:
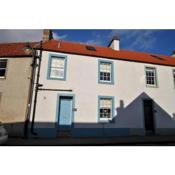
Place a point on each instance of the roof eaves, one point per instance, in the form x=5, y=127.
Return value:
x=114, y=58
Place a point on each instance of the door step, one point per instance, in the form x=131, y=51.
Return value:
x=64, y=133
x=149, y=133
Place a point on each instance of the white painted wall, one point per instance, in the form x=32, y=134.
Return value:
x=129, y=87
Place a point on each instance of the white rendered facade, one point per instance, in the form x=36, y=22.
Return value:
x=128, y=91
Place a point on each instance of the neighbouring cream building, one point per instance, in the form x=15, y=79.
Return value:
x=81, y=91
x=15, y=80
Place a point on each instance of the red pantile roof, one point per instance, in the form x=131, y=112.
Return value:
x=16, y=49
x=106, y=52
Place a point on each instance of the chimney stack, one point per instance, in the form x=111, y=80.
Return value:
x=115, y=43
x=173, y=53
x=47, y=35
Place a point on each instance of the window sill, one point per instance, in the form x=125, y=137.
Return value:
x=105, y=120
x=103, y=82
x=2, y=78
x=62, y=79
x=152, y=86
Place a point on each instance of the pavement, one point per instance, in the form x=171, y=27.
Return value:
x=112, y=141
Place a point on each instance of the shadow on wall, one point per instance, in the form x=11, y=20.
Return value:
x=133, y=116
x=128, y=121
x=15, y=129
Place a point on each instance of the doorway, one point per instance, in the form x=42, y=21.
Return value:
x=148, y=116
x=65, y=112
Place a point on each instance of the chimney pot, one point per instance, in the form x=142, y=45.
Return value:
x=173, y=53
x=47, y=35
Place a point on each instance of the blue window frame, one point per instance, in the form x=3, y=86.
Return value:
x=57, y=66
x=105, y=72
x=106, y=109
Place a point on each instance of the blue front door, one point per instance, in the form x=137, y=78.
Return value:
x=65, y=112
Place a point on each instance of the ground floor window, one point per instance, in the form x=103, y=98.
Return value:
x=106, y=108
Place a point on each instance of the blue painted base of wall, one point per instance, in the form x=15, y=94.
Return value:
x=100, y=132
x=88, y=132
x=52, y=132
x=165, y=131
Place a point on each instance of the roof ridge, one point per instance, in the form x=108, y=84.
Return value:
x=32, y=42
x=105, y=47
x=147, y=53
x=79, y=43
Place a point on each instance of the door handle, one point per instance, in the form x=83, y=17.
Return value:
x=74, y=109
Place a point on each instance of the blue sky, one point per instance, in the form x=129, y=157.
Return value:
x=153, y=41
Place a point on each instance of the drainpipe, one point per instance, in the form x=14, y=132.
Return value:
x=32, y=82
x=37, y=85
x=33, y=65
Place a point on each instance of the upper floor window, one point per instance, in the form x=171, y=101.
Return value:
x=3, y=67
x=174, y=77
x=151, y=76
x=106, y=72
x=106, y=107
x=57, y=67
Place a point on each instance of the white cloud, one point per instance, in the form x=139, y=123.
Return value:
x=93, y=42
x=97, y=39
x=136, y=39
x=145, y=40
x=20, y=35
x=130, y=39
x=61, y=37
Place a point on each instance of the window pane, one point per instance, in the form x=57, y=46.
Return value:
x=57, y=62
x=105, y=108
x=3, y=63
x=105, y=71
x=2, y=72
x=105, y=67
x=57, y=73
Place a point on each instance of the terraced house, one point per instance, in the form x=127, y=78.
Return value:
x=15, y=83
x=82, y=90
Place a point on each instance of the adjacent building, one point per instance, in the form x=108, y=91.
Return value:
x=15, y=83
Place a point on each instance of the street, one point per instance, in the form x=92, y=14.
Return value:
x=113, y=141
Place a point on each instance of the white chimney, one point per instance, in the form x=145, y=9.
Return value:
x=115, y=43
x=173, y=53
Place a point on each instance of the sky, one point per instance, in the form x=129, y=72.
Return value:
x=152, y=41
